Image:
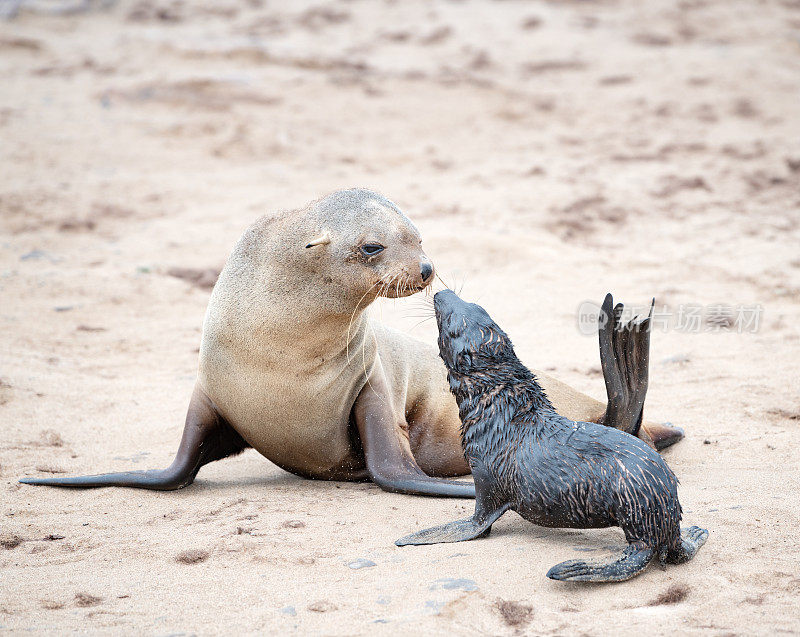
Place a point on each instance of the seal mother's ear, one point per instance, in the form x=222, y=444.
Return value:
x=321, y=240
x=292, y=365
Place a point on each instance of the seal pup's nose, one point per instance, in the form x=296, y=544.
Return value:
x=425, y=271
x=444, y=298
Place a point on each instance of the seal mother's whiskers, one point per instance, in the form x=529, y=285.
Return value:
x=551, y=470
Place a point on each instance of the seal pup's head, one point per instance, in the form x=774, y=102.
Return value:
x=470, y=342
x=378, y=251
x=491, y=385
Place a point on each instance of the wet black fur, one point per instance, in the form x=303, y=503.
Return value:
x=553, y=471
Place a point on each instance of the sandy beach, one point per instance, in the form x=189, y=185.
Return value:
x=549, y=152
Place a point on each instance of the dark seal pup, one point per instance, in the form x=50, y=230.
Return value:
x=553, y=471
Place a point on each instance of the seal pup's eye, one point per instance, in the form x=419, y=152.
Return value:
x=371, y=249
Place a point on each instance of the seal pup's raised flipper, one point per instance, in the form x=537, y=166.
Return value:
x=624, y=357
x=206, y=438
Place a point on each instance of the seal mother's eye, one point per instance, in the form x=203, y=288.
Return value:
x=371, y=249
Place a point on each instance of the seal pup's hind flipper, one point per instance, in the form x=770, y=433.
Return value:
x=206, y=438
x=692, y=538
x=632, y=562
x=625, y=359
x=458, y=531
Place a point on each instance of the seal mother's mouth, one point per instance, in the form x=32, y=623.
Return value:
x=402, y=285
x=400, y=291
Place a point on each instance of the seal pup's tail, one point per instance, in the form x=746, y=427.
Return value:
x=206, y=438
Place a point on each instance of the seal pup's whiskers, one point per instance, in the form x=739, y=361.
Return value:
x=463, y=283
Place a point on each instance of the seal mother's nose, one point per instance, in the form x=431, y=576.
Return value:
x=425, y=271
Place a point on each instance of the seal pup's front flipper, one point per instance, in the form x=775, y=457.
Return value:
x=458, y=531
x=387, y=451
x=633, y=561
x=206, y=437
x=489, y=506
x=625, y=359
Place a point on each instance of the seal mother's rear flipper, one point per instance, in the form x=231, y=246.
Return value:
x=206, y=437
x=625, y=359
x=632, y=562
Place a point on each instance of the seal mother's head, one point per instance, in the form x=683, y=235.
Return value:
x=377, y=248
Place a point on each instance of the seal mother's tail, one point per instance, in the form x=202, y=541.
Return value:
x=206, y=438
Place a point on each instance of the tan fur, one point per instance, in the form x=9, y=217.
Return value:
x=287, y=347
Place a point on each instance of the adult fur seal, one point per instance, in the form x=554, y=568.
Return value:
x=551, y=470
x=291, y=365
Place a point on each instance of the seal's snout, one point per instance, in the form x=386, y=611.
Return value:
x=444, y=302
x=450, y=314
x=465, y=328
x=426, y=271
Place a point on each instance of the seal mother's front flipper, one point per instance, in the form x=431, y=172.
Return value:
x=206, y=438
x=387, y=451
